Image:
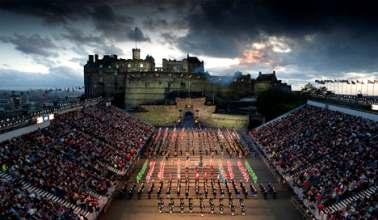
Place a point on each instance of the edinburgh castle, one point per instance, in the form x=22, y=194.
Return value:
x=137, y=81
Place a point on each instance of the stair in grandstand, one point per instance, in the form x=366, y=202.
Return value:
x=5, y=176
x=51, y=197
x=345, y=202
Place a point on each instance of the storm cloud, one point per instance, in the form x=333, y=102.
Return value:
x=304, y=39
x=34, y=44
x=325, y=35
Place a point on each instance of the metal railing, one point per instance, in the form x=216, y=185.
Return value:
x=25, y=119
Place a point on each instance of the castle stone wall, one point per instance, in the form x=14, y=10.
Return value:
x=228, y=121
x=168, y=115
x=159, y=115
x=152, y=88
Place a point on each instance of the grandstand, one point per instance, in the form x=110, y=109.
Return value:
x=96, y=161
x=72, y=166
x=328, y=157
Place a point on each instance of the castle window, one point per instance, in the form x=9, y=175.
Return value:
x=141, y=65
x=129, y=65
x=100, y=65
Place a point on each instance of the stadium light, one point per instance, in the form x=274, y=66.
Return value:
x=51, y=116
x=374, y=107
x=39, y=120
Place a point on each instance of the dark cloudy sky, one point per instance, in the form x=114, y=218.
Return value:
x=46, y=42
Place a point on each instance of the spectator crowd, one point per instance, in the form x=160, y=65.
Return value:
x=18, y=203
x=366, y=208
x=328, y=155
x=350, y=99
x=69, y=159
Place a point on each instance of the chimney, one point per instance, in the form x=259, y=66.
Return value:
x=274, y=72
x=260, y=73
x=96, y=58
x=90, y=58
x=136, y=54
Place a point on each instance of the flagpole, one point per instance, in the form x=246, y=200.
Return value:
x=336, y=87
x=355, y=88
x=343, y=88
x=350, y=87
x=372, y=94
x=361, y=87
x=367, y=88
x=373, y=88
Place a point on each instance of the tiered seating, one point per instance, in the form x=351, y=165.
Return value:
x=79, y=146
x=127, y=134
x=361, y=203
x=351, y=99
x=329, y=156
x=68, y=162
x=42, y=167
x=18, y=203
x=364, y=208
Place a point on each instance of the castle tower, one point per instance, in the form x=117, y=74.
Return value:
x=136, y=54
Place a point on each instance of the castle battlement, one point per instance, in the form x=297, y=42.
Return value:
x=111, y=63
x=138, y=81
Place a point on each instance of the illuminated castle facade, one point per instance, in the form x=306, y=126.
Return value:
x=136, y=81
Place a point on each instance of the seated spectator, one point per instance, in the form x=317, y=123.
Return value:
x=329, y=155
x=72, y=158
x=17, y=203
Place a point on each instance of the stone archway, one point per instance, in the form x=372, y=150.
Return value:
x=188, y=114
x=188, y=120
x=194, y=105
x=187, y=110
x=167, y=115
